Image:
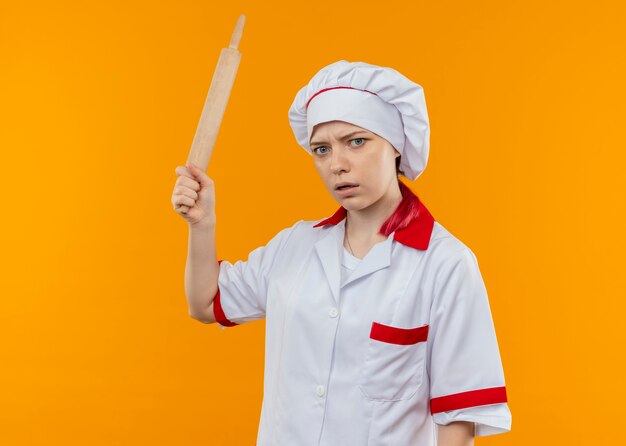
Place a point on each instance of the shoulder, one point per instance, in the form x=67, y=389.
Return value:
x=302, y=234
x=453, y=271
x=446, y=251
x=309, y=227
x=291, y=243
x=300, y=226
x=300, y=231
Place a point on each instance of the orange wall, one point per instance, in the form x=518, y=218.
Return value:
x=99, y=103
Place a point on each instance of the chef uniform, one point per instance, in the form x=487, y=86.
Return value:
x=371, y=351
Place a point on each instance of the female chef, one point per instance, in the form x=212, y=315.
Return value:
x=378, y=326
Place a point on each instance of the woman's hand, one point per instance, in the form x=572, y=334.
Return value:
x=194, y=195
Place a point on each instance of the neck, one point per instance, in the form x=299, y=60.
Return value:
x=364, y=224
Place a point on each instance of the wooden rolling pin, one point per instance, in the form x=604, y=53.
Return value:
x=216, y=100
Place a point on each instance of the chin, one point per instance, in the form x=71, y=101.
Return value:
x=352, y=205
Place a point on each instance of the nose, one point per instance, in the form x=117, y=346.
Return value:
x=338, y=161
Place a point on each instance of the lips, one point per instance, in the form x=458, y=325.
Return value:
x=347, y=190
x=344, y=185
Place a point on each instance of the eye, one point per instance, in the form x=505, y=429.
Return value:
x=362, y=141
x=320, y=147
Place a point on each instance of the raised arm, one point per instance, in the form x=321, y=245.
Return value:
x=201, y=272
x=194, y=200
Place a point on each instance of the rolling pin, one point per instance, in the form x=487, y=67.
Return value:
x=216, y=100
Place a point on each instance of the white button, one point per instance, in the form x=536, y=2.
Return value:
x=320, y=390
x=333, y=312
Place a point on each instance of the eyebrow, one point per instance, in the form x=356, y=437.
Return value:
x=313, y=143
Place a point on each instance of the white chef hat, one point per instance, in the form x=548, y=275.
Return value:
x=379, y=99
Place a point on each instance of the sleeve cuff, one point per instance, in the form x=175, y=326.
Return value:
x=218, y=311
x=488, y=420
x=479, y=397
x=486, y=408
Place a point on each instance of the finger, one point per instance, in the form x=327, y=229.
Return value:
x=181, y=199
x=199, y=175
x=183, y=171
x=188, y=182
x=181, y=207
x=184, y=190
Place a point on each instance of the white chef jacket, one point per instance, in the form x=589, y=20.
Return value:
x=406, y=341
x=348, y=264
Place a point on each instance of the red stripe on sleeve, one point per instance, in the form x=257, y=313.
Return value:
x=472, y=398
x=218, y=311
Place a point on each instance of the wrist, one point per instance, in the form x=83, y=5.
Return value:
x=203, y=225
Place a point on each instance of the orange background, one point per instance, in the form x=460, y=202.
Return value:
x=100, y=102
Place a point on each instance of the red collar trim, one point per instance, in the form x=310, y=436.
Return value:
x=416, y=234
x=335, y=218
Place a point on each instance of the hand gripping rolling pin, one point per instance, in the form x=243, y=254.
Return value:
x=215, y=103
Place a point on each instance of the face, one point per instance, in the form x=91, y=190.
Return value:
x=344, y=152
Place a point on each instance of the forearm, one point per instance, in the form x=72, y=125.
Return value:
x=201, y=270
x=457, y=433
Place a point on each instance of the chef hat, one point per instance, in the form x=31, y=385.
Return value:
x=379, y=99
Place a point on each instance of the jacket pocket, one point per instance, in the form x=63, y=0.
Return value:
x=394, y=362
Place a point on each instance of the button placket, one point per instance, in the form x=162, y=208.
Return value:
x=320, y=391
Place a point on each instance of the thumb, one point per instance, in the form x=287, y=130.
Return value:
x=198, y=174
